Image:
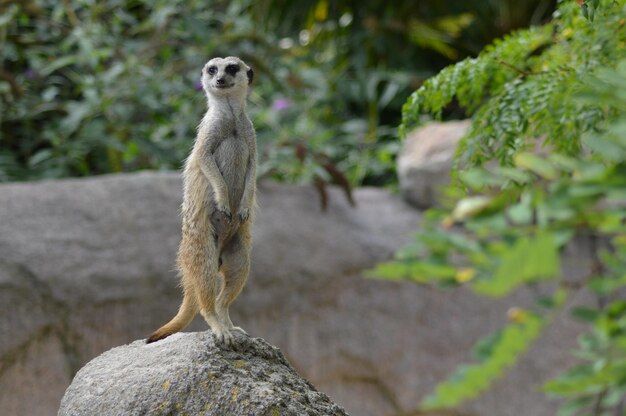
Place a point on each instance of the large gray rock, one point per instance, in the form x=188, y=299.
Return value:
x=425, y=161
x=86, y=265
x=187, y=374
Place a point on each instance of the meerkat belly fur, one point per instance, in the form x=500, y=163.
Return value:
x=219, y=184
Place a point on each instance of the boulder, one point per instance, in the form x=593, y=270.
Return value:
x=188, y=374
x=425, y=161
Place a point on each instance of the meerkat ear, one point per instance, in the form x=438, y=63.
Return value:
x=250, y=75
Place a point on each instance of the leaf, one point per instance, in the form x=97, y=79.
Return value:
x=607, y=148
x=471, y=206
x=479, y=177
x=77, y=112
x=514, y=174
x=465, y=274
x=585, y=314
x=420, y=272
x=541, y=167
x=390, y=92
x=8, y=15
x=564, y=162
x=321, y=10
x=575, y=406
x=391, y=270
x=58, y=64
x=497, y=352
x=428, y=36
x=521, y=213
x=530, y=259
x=588, y=382
x=485, y=346
x=605, y=285
x=40, y=157
x=557, y=300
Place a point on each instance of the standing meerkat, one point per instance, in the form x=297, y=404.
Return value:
x=219, y=184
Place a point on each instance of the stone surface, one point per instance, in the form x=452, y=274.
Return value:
x=86, y=265
x=188, y=374
x=425, y=161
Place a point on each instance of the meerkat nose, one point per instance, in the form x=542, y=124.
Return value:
x=221, y=81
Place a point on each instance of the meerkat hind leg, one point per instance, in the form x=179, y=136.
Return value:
x=234, y=269
x=207, y=301
x=207, y=290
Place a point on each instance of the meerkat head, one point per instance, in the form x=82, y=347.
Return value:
x=226, y=76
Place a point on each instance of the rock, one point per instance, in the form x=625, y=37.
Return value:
x=425, y=161
x=188, y=374
x=86, y=265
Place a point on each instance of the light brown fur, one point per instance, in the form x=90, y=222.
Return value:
x=219, y=178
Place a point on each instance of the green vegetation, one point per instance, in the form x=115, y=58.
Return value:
x=548, y=104
x=92, y=87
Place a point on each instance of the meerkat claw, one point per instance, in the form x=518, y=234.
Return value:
x=239, y=329
x=224, y=337
x=226, y=212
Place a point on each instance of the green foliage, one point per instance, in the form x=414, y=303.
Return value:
x=522, y=87
x=385, y=30
x=496, y=353
x=95, y=87
x=529, y=259
x=549, y=104
x=599, y=384
x=467, y=80
x=104, y=87
x=113, y=86
x=589, y=8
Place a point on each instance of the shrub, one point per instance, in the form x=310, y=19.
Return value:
x=548, y=105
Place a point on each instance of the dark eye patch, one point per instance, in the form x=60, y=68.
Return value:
x=212, y=70
x=232, y=69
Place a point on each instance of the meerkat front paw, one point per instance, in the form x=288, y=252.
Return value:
x=221, y=225
x=224, y=209
x=243, y=214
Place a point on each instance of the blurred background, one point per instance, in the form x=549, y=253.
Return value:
x=103, y=87
x=99, y=102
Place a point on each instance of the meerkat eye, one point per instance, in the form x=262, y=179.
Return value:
x=232, y=69
x=212, y=70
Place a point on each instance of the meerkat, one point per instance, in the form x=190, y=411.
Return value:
x=219, y=185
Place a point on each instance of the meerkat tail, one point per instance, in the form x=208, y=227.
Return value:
x=187, y=311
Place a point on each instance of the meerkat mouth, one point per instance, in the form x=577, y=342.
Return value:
x=223, y=87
